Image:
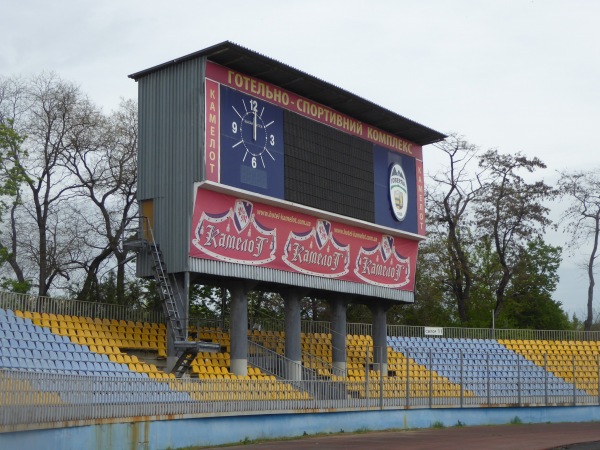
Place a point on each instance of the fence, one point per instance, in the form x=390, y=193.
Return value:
x=365, y=329
x=497, y=333
x=65, y=306
x=71, y=307
x=459, y=380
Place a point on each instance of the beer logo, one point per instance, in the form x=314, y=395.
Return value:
x=382, y=265
x=234, y=235
x=317, y=252
x=398, y=192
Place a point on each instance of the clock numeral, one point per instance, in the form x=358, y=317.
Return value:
x=234, y=127
x=272, y=139
x=254, y=162
x=253, y=105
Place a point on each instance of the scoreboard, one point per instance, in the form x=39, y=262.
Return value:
x=294, y=185
x=266, y=140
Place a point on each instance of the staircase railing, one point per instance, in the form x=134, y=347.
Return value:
x=143, y=240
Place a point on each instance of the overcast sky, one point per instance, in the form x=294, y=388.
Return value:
x=518, y=75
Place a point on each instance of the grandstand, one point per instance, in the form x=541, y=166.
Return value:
x=82, y=361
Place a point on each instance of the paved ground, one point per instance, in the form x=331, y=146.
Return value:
x=575, y=436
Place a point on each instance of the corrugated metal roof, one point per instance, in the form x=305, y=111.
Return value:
x=267, y=69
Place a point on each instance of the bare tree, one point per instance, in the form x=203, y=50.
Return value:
x=449, y=200
x=104, y=164
x=44, y=236
x=511, y=211
x=582, y=220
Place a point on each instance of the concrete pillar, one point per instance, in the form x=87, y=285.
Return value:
x=238, y=331
x=293, y=345
x=182, y=288
x=338, y=334
x=378, y=310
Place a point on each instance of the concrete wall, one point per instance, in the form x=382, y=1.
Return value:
x=173, y=434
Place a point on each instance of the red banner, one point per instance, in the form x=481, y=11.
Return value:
x=211, y=148
x=310, y=109
x=240, y=231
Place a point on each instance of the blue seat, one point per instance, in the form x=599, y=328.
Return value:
x=45, y=366
x=16, y=363
x=10, y=319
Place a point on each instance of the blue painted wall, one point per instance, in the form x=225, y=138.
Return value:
x=173, y=434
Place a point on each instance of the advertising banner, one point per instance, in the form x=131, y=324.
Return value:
x=237, y=230
x=212, y=148
x=307, y=108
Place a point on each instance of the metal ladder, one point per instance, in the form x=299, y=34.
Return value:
x=186, y=350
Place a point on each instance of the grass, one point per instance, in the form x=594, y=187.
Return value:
x=516, y=421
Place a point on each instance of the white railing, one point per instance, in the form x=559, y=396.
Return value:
x=66, y=306
x=458, y=380
x=72, y=307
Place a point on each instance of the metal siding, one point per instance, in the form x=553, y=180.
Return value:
x=170, y=160
x=229, y=270
x=171, y=117
x=255, y=64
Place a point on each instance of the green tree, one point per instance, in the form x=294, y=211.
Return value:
x=12, y=176
x=435, y=301
x=207, y=302
x=487, y=273
x=529, y=302
x=511, y=211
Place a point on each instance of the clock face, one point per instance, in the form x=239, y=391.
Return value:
x=251, y=143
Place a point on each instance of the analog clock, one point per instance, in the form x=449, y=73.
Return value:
x=251, y=143
x=253, y=133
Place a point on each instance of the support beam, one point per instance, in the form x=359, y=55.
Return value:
x=338, y=334
x=293, y=345
x=378, y=309
x=238, y=331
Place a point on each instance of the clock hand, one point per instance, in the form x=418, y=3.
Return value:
x=254, y=129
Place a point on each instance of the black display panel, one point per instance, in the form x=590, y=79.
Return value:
x=328, y=169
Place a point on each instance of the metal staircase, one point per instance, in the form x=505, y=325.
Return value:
x=143, y=241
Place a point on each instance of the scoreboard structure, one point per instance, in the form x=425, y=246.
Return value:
x=256, y=174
